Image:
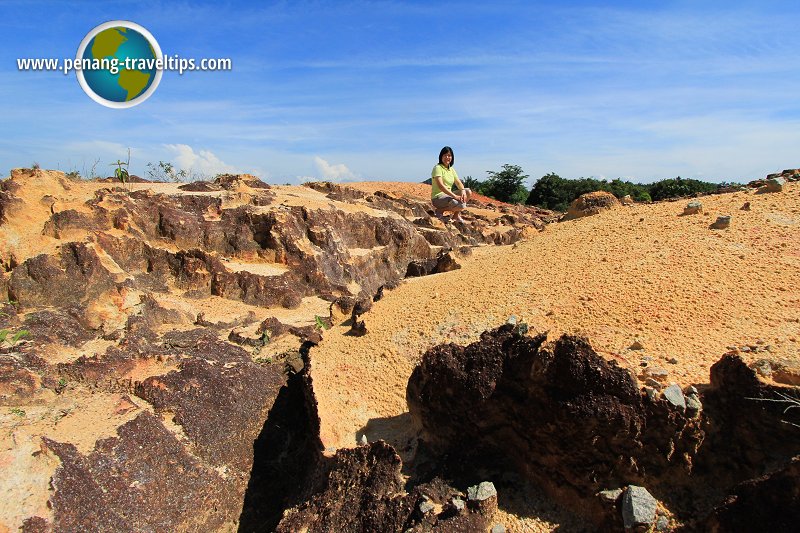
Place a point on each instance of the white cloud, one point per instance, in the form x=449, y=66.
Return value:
x=330, y=172
x=202, y=162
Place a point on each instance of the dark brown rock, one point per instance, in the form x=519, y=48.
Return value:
x=559, y=413
x=141, y=480
x=362, y=490
x=769, y=503
x=217, y=394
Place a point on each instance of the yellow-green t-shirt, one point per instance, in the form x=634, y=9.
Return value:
x=448, y=178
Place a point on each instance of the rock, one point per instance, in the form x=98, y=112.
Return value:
x=768, y=503
x=693, y=405
x=745, y=206
x=722, y=222
x=93, y=492
x=662, y=524
x=652, y=393
x=763, y=367
x=638, y=507
x=692, y=208
x=591, y=204
x=672, y=361
x=483, y=498
x=650, y=382
x=691, y=389
x=458, y=504
x=626, y=200
x=610, y=495
x=637, y=345
x=530, y=403
x=482, y=491
x=426, y=507
x=498, y=528
x=657, y=373
x=773, y=185
x=512, y=320
x=674, y=395
x=363, y=440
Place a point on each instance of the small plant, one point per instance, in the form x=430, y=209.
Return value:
x=166, y=171
x=17, y=411
x=74, y=175
x=35, y=166
x=263, y=360
x=15, y=336
x=122, y=173
x=320, y=323
x=62, y=384
x=791, y=402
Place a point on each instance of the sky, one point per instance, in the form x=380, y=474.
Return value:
x=342, y=91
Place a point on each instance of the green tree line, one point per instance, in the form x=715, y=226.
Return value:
x=551, y=191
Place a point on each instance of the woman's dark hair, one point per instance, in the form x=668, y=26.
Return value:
x=447, y=150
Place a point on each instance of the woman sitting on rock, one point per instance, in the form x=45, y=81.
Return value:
x=443, y=177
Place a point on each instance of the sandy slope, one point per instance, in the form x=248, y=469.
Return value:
x=644, y=272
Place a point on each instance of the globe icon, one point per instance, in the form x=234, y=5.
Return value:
x=129, y=81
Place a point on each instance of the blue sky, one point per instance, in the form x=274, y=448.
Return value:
x=372, y=90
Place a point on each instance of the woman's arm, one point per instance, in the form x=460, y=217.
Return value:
x=444, y=189
x=463, y=190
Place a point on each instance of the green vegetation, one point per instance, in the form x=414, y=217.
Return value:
x=165, y=171
x=122, y=173
x=320, y=323
x=15, y=336
x=506, y=185
x=552, y=191
x=17, y=411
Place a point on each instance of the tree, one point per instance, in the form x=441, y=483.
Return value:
x=551, y=191
x=472, y=183
x=506, y=185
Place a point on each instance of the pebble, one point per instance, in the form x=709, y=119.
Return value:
x=610, y=495
x=363, y=440
x=498, y=528
x=650, y=382
x=483, y=491
x=652, y=394
x=693, y=404
x=637, y=345
x=657, y=373
x=674, y=395
x=662, y=524
x=458, y=503
x=426, y=507
x=638, y=507
x=672, y=361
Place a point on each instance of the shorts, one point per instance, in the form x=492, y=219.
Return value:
x=444, y=202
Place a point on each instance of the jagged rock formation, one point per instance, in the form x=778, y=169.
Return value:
x=169, y=316
x=576, y=424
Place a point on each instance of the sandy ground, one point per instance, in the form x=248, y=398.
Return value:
x=640, y=273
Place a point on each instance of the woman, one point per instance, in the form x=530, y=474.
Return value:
x=443, y=177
